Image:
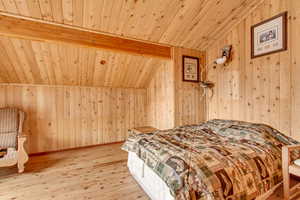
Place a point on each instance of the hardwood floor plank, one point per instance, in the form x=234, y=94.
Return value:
x=91, y=173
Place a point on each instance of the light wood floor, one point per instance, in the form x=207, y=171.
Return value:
x=94, y=173
x=98, y=173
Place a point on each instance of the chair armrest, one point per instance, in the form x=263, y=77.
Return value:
x=21, y=136
x=21, y=121
x=21, y=140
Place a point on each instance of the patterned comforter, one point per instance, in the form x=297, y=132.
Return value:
x=219, y=159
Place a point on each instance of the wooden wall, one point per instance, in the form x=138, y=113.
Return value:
x=265, y=89
x=189, y=107
x=62, y=117
x=70, y=116
x=172, y=102
x=161, y=98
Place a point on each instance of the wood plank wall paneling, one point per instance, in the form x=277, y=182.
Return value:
x=188, y=23
x=32, y=62
x=62, y=117
x=172, y=102
x=264, y=89
x=189, y=107
x=161, y=98
x=295, y=70
x=68, y=117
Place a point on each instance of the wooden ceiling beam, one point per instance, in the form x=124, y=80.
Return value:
x=27, y=28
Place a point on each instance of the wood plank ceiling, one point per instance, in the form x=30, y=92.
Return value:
x=186, y=23
x=32, y=62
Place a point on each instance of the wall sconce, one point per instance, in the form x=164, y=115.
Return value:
x=207, y=85
x=226, y=56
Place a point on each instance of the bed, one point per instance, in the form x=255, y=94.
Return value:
x=218, y=159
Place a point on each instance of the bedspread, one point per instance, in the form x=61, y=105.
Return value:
x=219, y=159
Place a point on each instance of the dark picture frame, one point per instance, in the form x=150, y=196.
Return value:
x=185, y=76
x=283, y=35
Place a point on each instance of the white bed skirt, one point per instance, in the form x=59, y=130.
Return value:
x=151, y=183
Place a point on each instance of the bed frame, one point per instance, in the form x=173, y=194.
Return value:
x=155, y=187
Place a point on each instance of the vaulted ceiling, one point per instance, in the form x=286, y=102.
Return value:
x=191, y=24
x=186, y=23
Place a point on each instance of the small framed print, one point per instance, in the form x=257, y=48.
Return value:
x=269, y=36
x=190, y=71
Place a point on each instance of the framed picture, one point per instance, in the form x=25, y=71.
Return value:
x=269, y=36
x=190, y=71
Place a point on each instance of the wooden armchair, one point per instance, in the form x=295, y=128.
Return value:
x=290, y=166
x=11, y=138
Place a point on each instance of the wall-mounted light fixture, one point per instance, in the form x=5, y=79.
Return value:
x=226, y=56
x=223, y=60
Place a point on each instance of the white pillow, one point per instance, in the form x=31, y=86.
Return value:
x=297, y=162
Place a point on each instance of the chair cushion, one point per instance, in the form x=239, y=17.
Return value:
x=11, y=154
x=8, y=140
x=9, y=118
x=3, y=152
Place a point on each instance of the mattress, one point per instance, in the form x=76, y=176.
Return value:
x=151, y=183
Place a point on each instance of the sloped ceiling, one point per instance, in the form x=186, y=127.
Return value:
x=191, y=24
x=186, y=23
x=32, y=62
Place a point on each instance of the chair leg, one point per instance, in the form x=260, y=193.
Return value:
x=22, y=155
x=20, y=167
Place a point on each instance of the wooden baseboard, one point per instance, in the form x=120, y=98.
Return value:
x=75, y=148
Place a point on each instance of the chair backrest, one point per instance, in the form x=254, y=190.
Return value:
x=11, y=120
